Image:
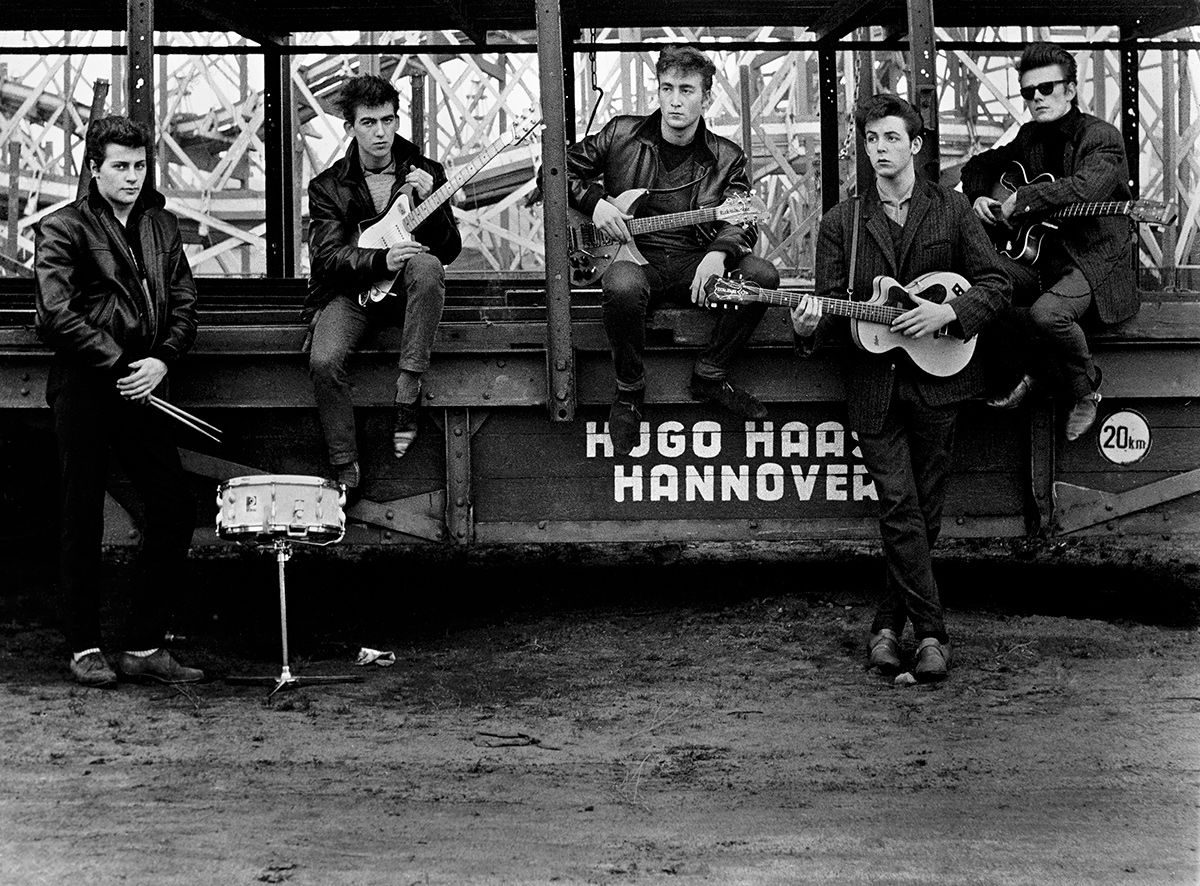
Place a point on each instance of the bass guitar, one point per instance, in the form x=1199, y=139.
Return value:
x=401, y=218
x=592, y=250
x=1024, y=244
x=942, y=354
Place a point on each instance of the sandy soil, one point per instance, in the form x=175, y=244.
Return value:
x=719, y=730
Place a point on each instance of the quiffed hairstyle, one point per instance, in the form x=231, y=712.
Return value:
x=366, y=91
x=112, y=131
x=885, y=104
x=686, y=60
x=1041, y=55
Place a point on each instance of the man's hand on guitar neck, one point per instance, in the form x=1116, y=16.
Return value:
x=712, y=263
x=611, y=220
x=399, y=253
x=927, y=317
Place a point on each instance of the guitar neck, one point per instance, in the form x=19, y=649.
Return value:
x=839, y=307
x=461, y=176
x=1081, y=210
x=672, y=220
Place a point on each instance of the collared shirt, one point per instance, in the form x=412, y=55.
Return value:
x=897, y=210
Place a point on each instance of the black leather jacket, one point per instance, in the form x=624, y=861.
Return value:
x=625, y=154
x=339, y=202
x=91, y=305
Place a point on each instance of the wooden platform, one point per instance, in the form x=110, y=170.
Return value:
x=490, y=467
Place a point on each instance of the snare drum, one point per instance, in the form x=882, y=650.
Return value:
x=286, y=506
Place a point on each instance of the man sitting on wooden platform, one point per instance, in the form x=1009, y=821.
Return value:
x=354, y=288
x=1084, y=267
x=684, y=167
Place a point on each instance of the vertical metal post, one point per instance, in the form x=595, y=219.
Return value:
x=830, y=127
x=416, y=111
x=140, y=79
x=560, y=371
x=460, y=523
x=1130, y=126
x=1170, y=164
x=922, y=84
x=280, y=179
x=744, y=93
x=864, y=88
x=14, y=195
x=566, y=31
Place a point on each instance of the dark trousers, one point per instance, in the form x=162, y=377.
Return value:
x=1042, y=334
x=632, y=291
x=909, y=460
x=340, y=326
x=93, y=423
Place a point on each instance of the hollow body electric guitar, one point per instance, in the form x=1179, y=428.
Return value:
x=942, y=354
x=592, y=250
x=401, y=218
x=1024, y=244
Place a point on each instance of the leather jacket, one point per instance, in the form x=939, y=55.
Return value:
x=339, y=202
x=91, y=305
x=625, y=154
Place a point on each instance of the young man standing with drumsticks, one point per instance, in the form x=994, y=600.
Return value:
x=116, y=301
x=903, y=227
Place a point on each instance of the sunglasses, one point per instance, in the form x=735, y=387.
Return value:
x=1044, y=88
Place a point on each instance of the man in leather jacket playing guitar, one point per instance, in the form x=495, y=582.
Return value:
x=377, y=165
x=1085, y=266
x=686, y=167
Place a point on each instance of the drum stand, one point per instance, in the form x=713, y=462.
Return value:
x=287, y=680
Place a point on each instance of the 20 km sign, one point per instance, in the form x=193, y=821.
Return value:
x=1124, y=437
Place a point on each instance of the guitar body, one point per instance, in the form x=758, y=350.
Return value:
x=1022, y=244
x=591, y=249
x=382, y=232
x=940, y=354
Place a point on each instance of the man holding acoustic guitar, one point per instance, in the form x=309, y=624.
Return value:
x=903, y=409
x=1070, y=163
x=354, y=286
x=669, y=169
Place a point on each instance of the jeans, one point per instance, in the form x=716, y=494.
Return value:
x=909, y=460
x=340, y=326
x=91, y=423
x=631, y=291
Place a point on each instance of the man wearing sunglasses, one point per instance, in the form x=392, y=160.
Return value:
x=1085, y=268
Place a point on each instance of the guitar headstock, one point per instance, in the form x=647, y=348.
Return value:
x=742, y=209
x=523, y=125
x=723, y=292
x=1150, y=212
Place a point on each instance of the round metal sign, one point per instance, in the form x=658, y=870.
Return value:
x=1124, y=437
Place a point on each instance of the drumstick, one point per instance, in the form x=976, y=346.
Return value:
x=186, y=418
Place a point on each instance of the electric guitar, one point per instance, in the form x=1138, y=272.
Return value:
x=942, y=354
x=592, y=250
x=400, y=219
x=1024, y=244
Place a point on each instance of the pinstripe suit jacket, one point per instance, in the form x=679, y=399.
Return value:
x=940, y=234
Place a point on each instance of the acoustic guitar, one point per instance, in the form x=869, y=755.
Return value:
x=592, y=250
x=942, y=354
x=1024, y=244
x=401, y=218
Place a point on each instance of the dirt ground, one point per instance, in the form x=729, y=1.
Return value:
x=709, y=724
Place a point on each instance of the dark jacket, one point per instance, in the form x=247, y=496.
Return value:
x=1094, y=169
x=941, y=233
x=91, y=305
x=625, y=154
x=339, y=202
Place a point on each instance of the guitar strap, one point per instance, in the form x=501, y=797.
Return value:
x=853, y=252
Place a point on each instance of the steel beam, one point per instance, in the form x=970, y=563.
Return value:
x=560, y=370
x=459, y=507
x=922, y=84
x=1078, y=507
x=1130, y=111
x=844, y=16
x=831, y=125
x=140, y=78
x=281, y=220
